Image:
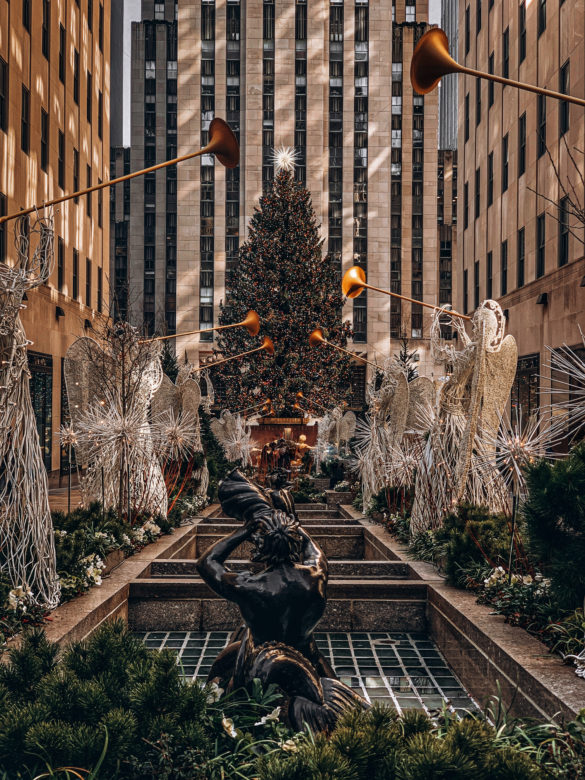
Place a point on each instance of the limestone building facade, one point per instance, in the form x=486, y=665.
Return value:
x=54, y=140
x=521, y=164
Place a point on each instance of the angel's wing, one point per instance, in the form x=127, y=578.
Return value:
x=420, y=403
x=166, y=398
x=398, y=410
x=348, y=423
x=500, y=370
x=191, y=396
x=218, y=428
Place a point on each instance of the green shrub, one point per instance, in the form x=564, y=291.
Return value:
x=554, y=514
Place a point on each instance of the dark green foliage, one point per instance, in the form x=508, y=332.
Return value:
x=554, y=514
x=334, y=468
x=217, y=463
x=407, y=360
x=471, y=535
x=283, y=276
x=168, y=360
x=305, y=492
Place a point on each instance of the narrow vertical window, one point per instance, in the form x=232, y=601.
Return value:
x=60, y=264
x=505, y=163
x=87, y=281
x=100, y=113
x=89, y=195
x=44, y=139
x=490, y=179
x=520, y=259
x=100, y=289
x=541, y=129
x=2, y=228
x=504, y=268
x=465, y=205
x=465, y=291
x=522, y=32
x=564, y=231
x=76, y=76
x=3, y=95
x=506, y=53
x=491, y=85
x=75, y=286
x=101, y=27
x=540, y=246
x=100, y=204
x=478, y=17
x=522, y=144
x=467, y=30
x=466, y=119
x=62, y=56
x=477, y=101
x=476, y=284
x=89, y=95
x=489, y=275
x=46, y=29
x=76, y=173
x=90, y=15
x=541, y=16
x=25, y=121
x=564, y=106
x=477, y=192
x=26, y=14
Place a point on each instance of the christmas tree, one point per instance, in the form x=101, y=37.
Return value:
x=283, y=275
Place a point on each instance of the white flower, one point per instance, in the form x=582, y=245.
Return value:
x=290, y=746
x=228, y=727
x=274, y=715
x=214, y=693
x=18, y=597
x=60, y=534
x=126, y=542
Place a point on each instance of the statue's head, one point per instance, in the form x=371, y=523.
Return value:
x=277, y=479
x=277, y=540
x=489, y=321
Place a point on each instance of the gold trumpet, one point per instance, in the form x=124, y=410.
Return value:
x=317, y=338
x=266, y=345
x=354, y=282
x=222, y=143
x=431, y=61
x=251, y=323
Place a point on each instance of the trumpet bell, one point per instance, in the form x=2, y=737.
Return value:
x=251, y=323
x=223, y=143
x=268, y=345
x=431, y=61
x=315, y=339
x=353, y=282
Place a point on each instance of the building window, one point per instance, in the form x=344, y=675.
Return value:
x=522, y=32
x=467, y=31
x=60, y=264
x=90, y=15
x=26, y=14
x=100, y=113
x=466, y=205
x=541, y=129
x=541, y=16
x=564, y=106
x=506, y=53
x=478, y=17
x=100, y=197
x=101, y=27
x=491, y=85
x=522, y=144
x=44, y=139
x=466, y=119
x=100, y=289
x=89, y=95
x=490, y=179
x=3, y=95
x=564, y=231
x=465, y=292
x=41, y=396
x=540, y=246
x=477, y=101
x=2, y=228
x=504, y=268
x=89, y=196
x=46, y=29
x=520, y=259
x=489, y=275
x=76, y=173
x=62, y=45
x=76, y=76
x=476, y=284
x=25, y=121
x=505, y=163
x=524, y=393
x=75, y=286
x=477, y=192
x=88, y=282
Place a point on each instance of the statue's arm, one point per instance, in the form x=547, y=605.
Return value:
x=211, y=566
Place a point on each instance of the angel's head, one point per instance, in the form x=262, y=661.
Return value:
x=277, y=539
x=489, y=324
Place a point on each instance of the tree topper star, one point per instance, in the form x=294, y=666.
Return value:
x=285, y=158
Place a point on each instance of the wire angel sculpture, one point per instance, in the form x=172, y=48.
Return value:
x=27, y=550
x=459, y=459
x=233, y=432
x=109, y=387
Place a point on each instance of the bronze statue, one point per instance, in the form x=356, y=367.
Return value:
x=280, y=605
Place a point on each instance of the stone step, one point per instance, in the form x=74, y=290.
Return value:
x=311, y=507
x=307, y=520
x=394, y=570
x=345, y=542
